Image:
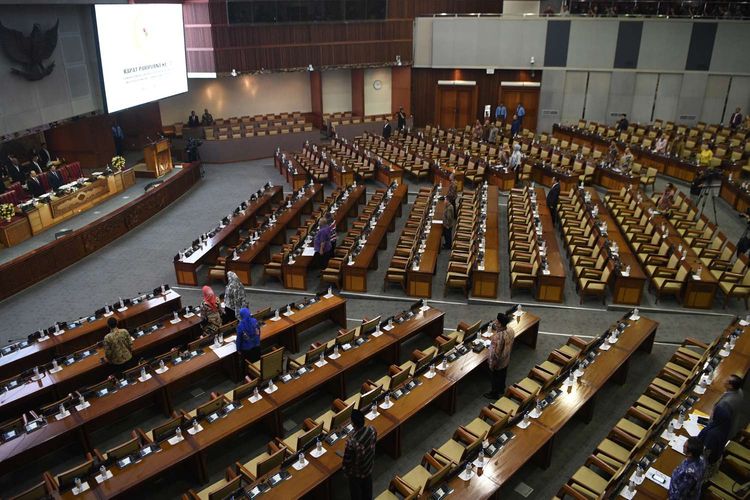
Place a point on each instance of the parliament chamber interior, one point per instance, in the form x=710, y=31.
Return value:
x=389, y=249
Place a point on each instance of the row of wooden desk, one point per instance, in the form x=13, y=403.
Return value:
x=419, y=280
x=485, y=278
x=386, y=171
x=550, y=286
x=536, y=441
x=186, y=267
x=355, y=275
x=88, y=332
x=260, y=251
x=298, y=176
x=294, y=276
x=734, y=194
x=193, y=449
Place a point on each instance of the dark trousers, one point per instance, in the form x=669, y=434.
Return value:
x=228, y=316
x=118, y=146
x=498, y=381
x=252, y=355
x=448, y=236
x=360, y=488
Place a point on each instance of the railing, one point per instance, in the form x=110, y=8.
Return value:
x=649, y=8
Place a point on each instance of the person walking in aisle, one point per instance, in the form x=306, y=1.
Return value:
x=248, y=337
x=498, y=360
x=234, y=297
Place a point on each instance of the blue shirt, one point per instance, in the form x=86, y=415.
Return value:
x=247, y=338
x=501, y=112
x=686, y=480
x=520, y=111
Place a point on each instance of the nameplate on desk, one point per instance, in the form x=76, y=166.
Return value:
x=34, y=425
x=330, y=295
x=122, y=309
x=161, y=370
x=61, y=416
x=107, y=315
x=258, y=490
x=280, y=476
x=56, y=334
x=83, y=406
x=441, y=492
x=546, y=272
x=346, y=346
x=286, y=377
x=212, y=418
x=376, y=333
x=302, y=370
x=175, y=321
x=100, y=479
x=254, y=398
x=122, y=463
x=288, y=313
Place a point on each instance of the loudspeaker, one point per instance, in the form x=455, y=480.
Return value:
x=151, y=185
x=62, y=233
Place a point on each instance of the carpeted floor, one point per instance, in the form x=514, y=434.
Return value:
x=142, y=260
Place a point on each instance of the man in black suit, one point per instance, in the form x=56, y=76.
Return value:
x=14, y=170
x=193, y=120
x=55, y=178
x=44, y=155
x=387, y=130
x=34, y=185
x=34, y=166
x=552, y=197
x=401, y=125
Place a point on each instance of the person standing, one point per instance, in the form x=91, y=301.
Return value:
x=14, y=170
x=44, y=155
x=209, y=310
x=687, y=477
x=678, y=146
x=387, y=130
x=705, y=156
x=477, y=131
x=520, y=112
x=55, y=178
x=193, y=120
x=622, y=123
x=501, y=113
x=552, y=197
x=449, y=220
x=359, y=457
x=515, y=161
x=401, y=124
x=322, y=241
x=498, y=360
x=118, y=345
x=34, y=185
x=119, y=136
x=234, y=296
x=736, y=119
x=207, y=119
x=733, y=398
x=34, y=166
x=714, y=437
x=452, y=193
x=515, y=125
x=248, y=336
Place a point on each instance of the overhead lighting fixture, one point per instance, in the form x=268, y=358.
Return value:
x=310, y=67
x=234, y=72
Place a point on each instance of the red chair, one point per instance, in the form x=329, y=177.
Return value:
x=75, y=170
x=8, y=197
x=45, y=182
x=21, y=195
x=64, y=171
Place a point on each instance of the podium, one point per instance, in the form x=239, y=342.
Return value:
x=158, y=158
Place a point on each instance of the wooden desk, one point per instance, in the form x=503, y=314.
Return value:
x=386, y=171
x=419, y=280
x=294, y=276
x=733, y=193
x=355, y=275
x=186, y=268
x=502, y=177
x=15, y=231
x=549, y=287
x=259, y=252
x=86, y=334
x=545, y=174
x=614, y=180
x=297, y=178
x=484, y=280
x=625, y=289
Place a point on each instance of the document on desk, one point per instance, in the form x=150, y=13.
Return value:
x=225, y=350
x=308, y=252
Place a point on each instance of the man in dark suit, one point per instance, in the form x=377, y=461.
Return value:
x=44, y=155
x=552, y=197
x=55, y=178
x=387, y=130
x=736, y=119
x=34, y=185
x=34, y=165
x=401, y=119
x=193, y=120
x=14, y=170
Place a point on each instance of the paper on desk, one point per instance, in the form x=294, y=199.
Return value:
x=225, y=350
x=161, y=370
x=652, y=473
x=61, y=416
x=120, y=310
x=388, y=328
x=82, y=407
x=677, y=443
x=42, y=339
x=308, y=252
x=626, y=493
x=546, y=272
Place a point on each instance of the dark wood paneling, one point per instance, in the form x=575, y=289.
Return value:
x=358, y=92
x=55, y=256
x=140, y=124
x=401, y=89
x=316, y=98
x=86, y=140
x=424, y=87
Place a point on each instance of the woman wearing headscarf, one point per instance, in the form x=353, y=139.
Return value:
x=234, y=297
x=248, y=336
x=515, y=161
x=210, y=312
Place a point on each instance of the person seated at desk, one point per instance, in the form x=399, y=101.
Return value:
x=207, y=119
x=626, y=159
x=613, y=153
x=705, y=156
x=667, y=198
x=687, y=477
x=34, y=185
x=248, y=336
x=661, y=143
x=193, y=120
x=118, y=346
x=678, y=146
x=55, y=178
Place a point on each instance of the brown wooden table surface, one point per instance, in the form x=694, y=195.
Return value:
x=550, y=286
x=86, y=334
x=419, y=281
x=485, y=280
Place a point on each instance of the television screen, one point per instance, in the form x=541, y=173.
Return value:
x=141, y=53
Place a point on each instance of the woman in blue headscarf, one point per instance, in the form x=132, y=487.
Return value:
x=248, y=336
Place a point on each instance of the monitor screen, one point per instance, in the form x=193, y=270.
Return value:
x=141, y=53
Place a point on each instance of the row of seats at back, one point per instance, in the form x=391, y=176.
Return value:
x=643, y=421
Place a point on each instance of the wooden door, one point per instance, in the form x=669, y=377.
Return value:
x=528, y=97
x=455, y=106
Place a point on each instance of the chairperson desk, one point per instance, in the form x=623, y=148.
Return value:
x=260, y=251
x=537, y=439
x=92, y=368
x=249, y=148
x=419, y=280
x=193, y=448
x=485, y=279
x=550, y=285
x=295, y=275
x=665, y=164
x=159, y=387
x=355, y=275
x=55, y=256
x=186, y=267
x=733, y=193
x=39, y=352
x=625, y=289
x=737, y=363
x=698, y=294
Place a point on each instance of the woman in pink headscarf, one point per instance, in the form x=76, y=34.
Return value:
x=210, y=312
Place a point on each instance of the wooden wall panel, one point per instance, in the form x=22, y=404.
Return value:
x=358, y=92
x=401, y=89
x=88, y=140
x=316, y=98
x=424, y=85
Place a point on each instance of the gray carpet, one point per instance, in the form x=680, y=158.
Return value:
x=142, y=259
